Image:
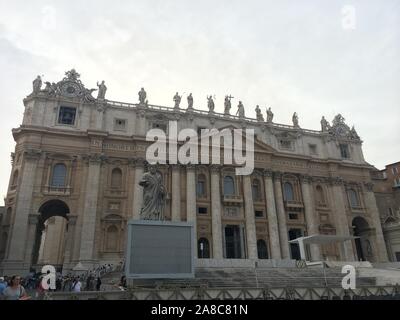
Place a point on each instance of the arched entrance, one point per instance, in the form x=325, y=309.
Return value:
x=361, y=229
x=51, y=231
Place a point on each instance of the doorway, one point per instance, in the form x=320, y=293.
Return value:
x=294, y=247
x=233, y=242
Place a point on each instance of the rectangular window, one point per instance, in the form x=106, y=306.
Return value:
x=120, y=124
x=285, y=144
x=397, y=254
x=313, y=149
x=344, y=151
x=67, y=115
x=293, y=216
x=161, y=126
x=259, y=213
x=394, y=170
x=323, y=217
x=397, y=182
x=114, y=206
x=390, y=211
x=202, y=210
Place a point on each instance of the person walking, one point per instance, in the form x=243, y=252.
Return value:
x=3, y=286
x=15, y=291
x=98, y=283
x=76, y=286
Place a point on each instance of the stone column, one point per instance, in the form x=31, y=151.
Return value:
x=216, y=212
x=176, y=193
x=137, y=189
x=273, y=228
x=310, y=215
x=250, y=218
x=283, y=232
x=32, y=225
x=140, y=122
x=89, y=213
x=101, y=109
x=69, y=243
x=14, y=262
x=191, y=200
x=340, y=216
x=372, y=209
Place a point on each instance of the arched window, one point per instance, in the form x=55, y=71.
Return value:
x=320, y=195
x=203, y=248
x=3, y=243
x=229, y=186
x=256, y=190
x=59, y=175
x=288, y=190
x=112, y=238
x=15, y=179
x=201, y=186
x=353, y=197
x=116, y=178
x=262, y=249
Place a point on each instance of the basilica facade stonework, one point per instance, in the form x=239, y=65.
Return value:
x=82, y=158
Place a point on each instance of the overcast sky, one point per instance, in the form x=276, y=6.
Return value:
x=311, y=57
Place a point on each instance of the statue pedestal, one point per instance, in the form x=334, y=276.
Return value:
x=160, y=249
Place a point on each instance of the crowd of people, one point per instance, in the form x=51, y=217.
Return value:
x=18, y=288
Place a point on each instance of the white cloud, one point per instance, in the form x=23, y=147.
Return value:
x=292, y=57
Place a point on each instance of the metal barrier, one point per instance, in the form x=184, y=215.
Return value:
x=204, y=293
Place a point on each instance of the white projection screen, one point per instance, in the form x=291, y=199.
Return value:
x=160, y=249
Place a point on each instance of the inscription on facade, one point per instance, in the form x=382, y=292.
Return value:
x=118, y=146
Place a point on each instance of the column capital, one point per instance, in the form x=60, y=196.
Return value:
x=369, y=186
x=32, y=154
x=139, y=162
x=305, y=179
x=94, y=158
x=190, y=167
x=33, y=218
x=72, y=220
x=320, y=179
x=215, y=168
x=267, y=173
x=175, y=166
x=336, y=181
x=277, y=175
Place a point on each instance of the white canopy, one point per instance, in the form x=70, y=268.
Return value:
x=322, y=239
